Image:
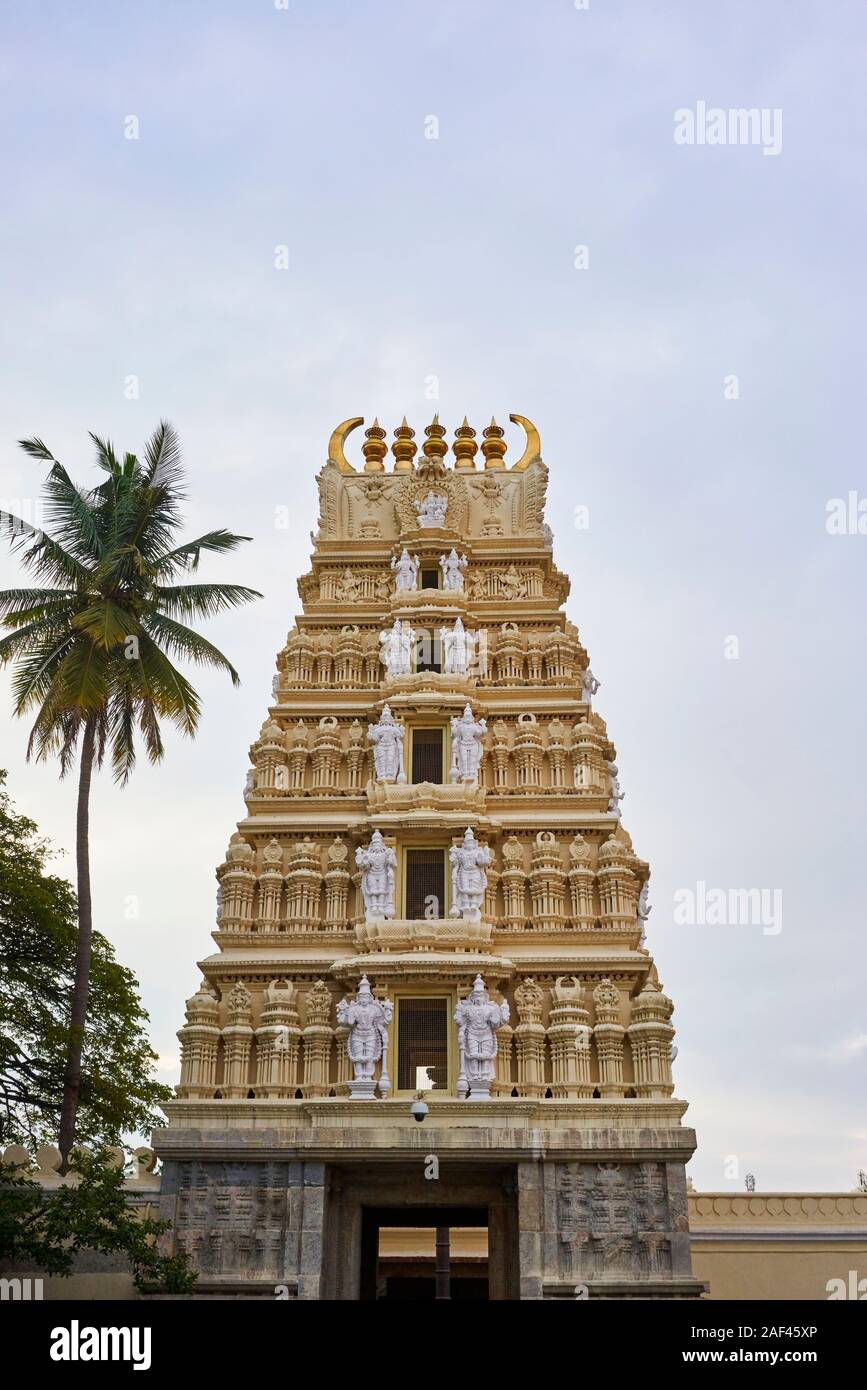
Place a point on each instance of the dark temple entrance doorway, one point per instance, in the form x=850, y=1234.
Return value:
x=416, y=1253
x=396, y=1230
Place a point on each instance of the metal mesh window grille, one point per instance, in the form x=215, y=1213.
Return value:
x=427, y=755
x=422, y=1044
x=425, y=883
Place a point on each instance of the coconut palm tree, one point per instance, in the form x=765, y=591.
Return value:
x=94, y=649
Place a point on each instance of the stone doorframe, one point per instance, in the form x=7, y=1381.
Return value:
x=350, y=1189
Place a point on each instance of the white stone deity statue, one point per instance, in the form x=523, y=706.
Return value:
x=396, y=645
x=378, y=863
x=644, y=910
x=250, y=783
x=219, y=902
x=617, y=794
x=590, y=685
x=458, y=646
x=467, y=736
x=453, y=566
x=275, y=686
x=368, y=1019
x=387, y=739
x=478, y=1019
x=469, y=880
x=405, y=571
x=432, y=511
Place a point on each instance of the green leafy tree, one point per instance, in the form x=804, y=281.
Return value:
x=46, y=1230
x=94, y=648
x=38, y=931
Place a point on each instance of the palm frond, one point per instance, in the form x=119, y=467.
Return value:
x=163, y=468
x=186, y=556
x=180, y=640
x=202, y=600
x=121, y=725
x=57, y=731
x=150, y=727
x=36, y=449
x=72, y=515
x=19, y=601
x=37, y=668
x=106, y=458
x=25, y=639
x=83, y=678
x=170, y=693
x=49, y=734
x=46, y=558
x=106, y=622
x=42, y=618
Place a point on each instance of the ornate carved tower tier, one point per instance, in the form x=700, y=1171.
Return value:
x=431, y=894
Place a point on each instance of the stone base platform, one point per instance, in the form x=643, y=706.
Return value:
x=579, y=1199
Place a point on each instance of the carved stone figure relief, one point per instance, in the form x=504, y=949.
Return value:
x=613, y=1221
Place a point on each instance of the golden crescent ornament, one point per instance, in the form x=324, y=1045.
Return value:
x=337, y=441
x=533, y=449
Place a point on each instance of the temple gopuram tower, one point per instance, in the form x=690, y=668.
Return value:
x=431, y=904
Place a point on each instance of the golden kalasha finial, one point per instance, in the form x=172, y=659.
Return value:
x=435, y=447
x=465, y=447
x=403, y=448
x=375, y=449
x=494, y=445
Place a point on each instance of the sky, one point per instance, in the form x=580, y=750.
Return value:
x=257, y=220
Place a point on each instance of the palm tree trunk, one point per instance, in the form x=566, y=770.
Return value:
x=81, y=982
